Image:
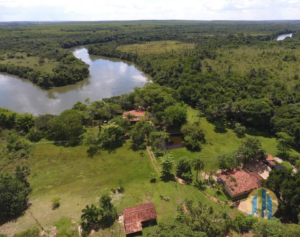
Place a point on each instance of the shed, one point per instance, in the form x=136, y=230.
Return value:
x=135, y=216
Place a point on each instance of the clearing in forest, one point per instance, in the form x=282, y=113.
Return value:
x=155, y=47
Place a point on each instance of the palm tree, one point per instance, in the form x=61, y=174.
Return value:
x=198, y=166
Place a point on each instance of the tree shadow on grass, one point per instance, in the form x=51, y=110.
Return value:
x=112, y=148
x=200, y=185
x=167, y=177
x=262, y=133
x=93, y=150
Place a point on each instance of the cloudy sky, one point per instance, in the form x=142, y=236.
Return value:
x=97, y=10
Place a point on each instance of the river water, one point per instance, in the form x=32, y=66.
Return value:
x=108, y=77
x=282, y=37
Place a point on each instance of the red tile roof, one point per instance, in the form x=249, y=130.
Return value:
x=270, y=157
x=136, y=113
x=245, y=181
x=272, y=163
x=134, y=216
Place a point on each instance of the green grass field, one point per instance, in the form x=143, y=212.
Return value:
x=32, y=62
x=68, y=173
x=218, y=143
x=155, y=47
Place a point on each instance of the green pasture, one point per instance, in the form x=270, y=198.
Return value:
x=69, y=173
x=218, y=143
x=155, y=47
x=21, y=59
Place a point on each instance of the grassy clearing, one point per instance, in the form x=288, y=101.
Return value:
x=21, y=59
x=218, y=143
x=68, y=173
x=155, y=47
x=287, y=165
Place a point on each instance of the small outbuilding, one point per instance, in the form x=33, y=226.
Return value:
x=135, y=217
x=270, y=161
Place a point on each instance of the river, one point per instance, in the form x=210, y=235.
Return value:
x=108, y=77
x=282, y=37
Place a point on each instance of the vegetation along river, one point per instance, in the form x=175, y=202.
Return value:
x=108, y=77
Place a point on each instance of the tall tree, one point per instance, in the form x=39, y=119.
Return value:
x=250, y=150
x=13, y=196
x=167, y=164
x=111, y=134
x=198, y=166
x=67, y=126
x=176, y=115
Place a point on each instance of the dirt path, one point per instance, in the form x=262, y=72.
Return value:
x=295, y=170
x=153, y=159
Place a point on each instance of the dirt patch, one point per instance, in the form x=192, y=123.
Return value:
x=184, y=208
x=278, y=159
x=206, y=176
x=243, y=207
x=116, y=196
x=121, y=219
x=179, y=180
x=259, y=167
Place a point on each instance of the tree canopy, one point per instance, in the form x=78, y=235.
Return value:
x=13, y=196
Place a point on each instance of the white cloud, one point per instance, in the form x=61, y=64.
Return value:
x=148, y=9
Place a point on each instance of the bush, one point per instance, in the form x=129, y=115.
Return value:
x=152, y=177
x=55, y=202
x=193, y=136
x=15, y=142
x=29, y=233
x=34, y=135
x=25, y=121
x=240, y=130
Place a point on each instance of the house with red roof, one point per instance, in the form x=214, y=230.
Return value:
x=238, y=183
x=134, y=115
x=135, y=217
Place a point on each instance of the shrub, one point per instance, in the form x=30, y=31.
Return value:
x=240, y=130
x=34, y=135
x=29, y=233
x=55, y=202
x=152, y=177
x=193, y=136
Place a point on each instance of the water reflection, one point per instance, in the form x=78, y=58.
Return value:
x=108, y=77
x=282, y=37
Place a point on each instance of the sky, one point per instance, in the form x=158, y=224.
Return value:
x=101, y=10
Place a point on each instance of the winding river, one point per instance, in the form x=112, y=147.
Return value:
x=282, y=37
x=108, y=77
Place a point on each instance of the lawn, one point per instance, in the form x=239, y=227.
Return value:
x=21, y=59
x=218, y=143
x=69, y=173
x=155, y=47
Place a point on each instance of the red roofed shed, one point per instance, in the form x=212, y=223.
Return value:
x=134, y=216
x=270, y=160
